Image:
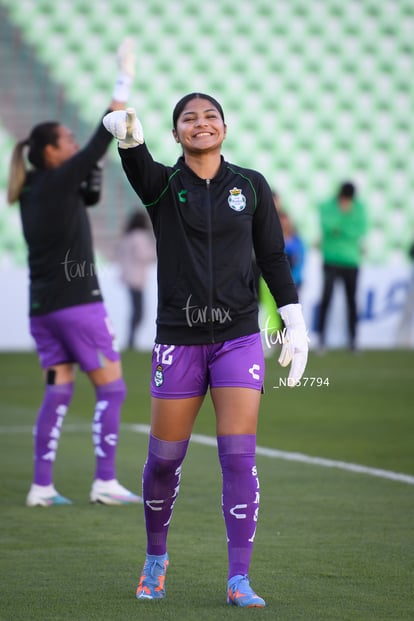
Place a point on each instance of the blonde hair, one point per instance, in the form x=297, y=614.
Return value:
x=17, y=173
x=40, y=136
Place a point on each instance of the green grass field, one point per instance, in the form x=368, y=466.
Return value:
x=331, y=545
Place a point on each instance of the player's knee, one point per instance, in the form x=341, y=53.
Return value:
x=59, y=375
x=164, y=469
x=114, y=390
x=122, y=389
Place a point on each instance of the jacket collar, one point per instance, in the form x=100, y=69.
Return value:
x=181, y=165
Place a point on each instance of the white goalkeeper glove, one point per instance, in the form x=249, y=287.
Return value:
x=125, y=58
x=295, y=343
x=125, y=127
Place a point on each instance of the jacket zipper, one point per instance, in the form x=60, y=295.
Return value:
x=210, y=261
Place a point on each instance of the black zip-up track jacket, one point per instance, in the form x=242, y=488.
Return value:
x=206, y=231
x=57, y=230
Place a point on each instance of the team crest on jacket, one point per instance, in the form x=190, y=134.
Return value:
x=237, y=200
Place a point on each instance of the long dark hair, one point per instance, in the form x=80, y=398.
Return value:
x=179, y=107
x=138, y=220
x=40, y=136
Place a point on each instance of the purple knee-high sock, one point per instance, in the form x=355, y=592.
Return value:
x=47, y=430
x=109, y=399
x=240, y=500
x=160, y=486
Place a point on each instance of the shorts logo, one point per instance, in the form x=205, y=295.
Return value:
x=237, y=200
x=252, y=371
x=158, y=376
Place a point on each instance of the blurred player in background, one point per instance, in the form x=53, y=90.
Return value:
x=343, y=222
x=136, y=253
x=68, y=319
x=208, y=217
x=295, y=252
x=294, y=245
x=405, y=327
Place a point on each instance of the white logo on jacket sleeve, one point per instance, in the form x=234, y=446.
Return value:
x=237, y=200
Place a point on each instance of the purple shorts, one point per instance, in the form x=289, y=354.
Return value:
x=81, y=334
x=182, y=371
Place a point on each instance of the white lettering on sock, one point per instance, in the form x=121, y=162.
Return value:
x=253, y=536
x=111, y=439
x=154, y=504
x=238, y=516
x=100, y=408
x=51, y=456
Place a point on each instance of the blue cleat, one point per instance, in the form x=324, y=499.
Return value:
x=45, y=496
x=240, y=593
x=152, y=582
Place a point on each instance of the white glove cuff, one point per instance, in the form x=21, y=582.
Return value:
x=122, y=88
x=292, y=314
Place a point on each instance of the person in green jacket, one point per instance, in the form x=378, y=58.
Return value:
x=343, y=224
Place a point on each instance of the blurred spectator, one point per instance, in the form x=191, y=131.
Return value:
x=136, y=254
x=343, y=224
x=295, y=251
x=405, y=329
x=294, y=246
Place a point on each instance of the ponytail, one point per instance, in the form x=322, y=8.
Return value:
x=17, y=173
x=40, y=136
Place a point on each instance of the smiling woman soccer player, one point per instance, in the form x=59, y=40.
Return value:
x=208, y=216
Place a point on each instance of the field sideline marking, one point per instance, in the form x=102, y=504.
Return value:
x=301, y=457
x=260, y=450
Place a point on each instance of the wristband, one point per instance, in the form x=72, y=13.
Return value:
x=122, y=87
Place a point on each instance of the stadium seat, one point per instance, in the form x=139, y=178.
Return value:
x=312, y=91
